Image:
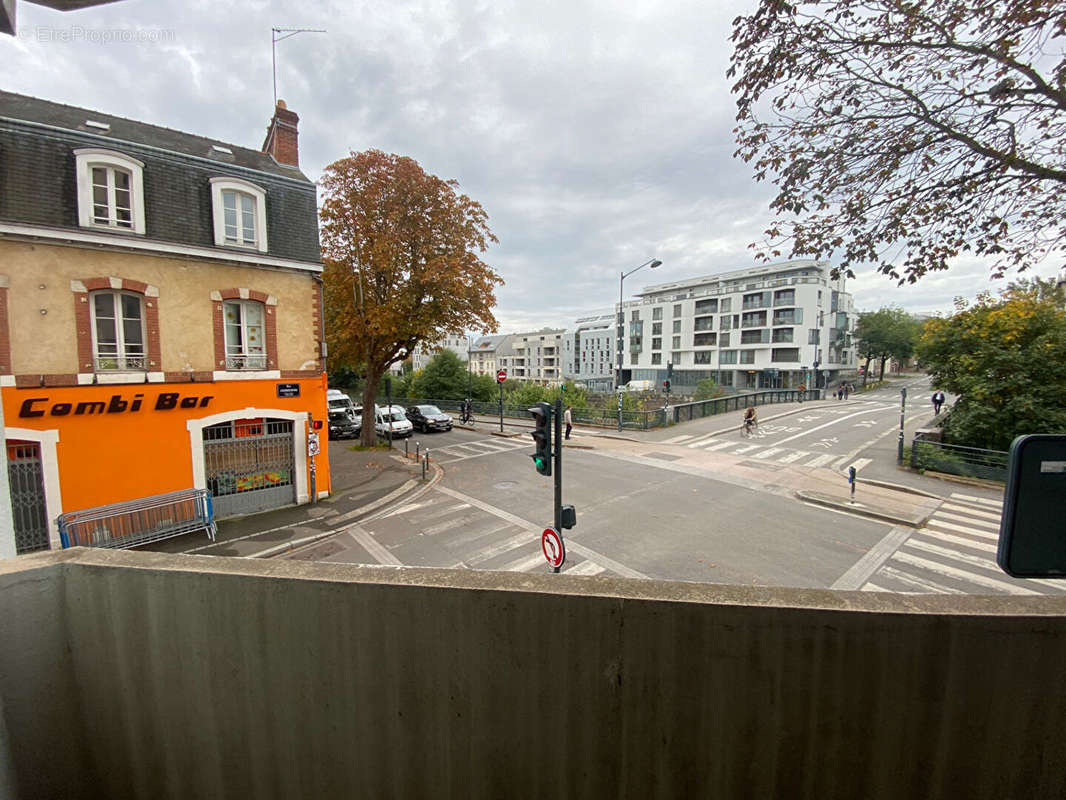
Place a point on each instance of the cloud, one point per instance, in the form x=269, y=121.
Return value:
x=597, y=135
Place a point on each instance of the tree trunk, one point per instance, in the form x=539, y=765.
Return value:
x=866, y=370
x=367, y=436
x=882, y=375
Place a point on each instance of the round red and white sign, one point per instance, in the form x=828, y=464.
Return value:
x=501, y=376
x=551, y=542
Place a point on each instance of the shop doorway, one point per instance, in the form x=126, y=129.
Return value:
x=29, y=512
x=249, y=465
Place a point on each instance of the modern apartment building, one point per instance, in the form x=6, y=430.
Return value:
x=535, y=356
x=779, y=325
x=587, y=350
x=160, y=315
x=485, y=353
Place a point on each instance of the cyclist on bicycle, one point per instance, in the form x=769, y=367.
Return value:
x=466, y=414
x=751, y=420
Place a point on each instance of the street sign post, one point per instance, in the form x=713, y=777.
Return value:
x=551, y=542
x=501, y=375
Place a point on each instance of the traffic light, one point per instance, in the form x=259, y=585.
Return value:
x=666, y=385
x=542, y=436
x=669, y=371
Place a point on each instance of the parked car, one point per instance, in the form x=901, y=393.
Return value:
x=344, y=424
x=429, y=418
x=391, y=418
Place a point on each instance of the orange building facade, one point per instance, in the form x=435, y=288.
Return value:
x=160, y=317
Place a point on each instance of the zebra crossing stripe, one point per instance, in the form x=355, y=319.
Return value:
x=979, y=500
x=677, y=439
x=859, y=463
x=795, y=456
x=980, y=523
x=818, y=461
x=947, y=538
x=746, y=449
x=970, y=510
x=717, y=446
x=951, y=526
x=586, y=568
x=922, y=584
x=769, y=452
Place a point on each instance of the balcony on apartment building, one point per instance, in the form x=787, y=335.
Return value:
x=136, y=674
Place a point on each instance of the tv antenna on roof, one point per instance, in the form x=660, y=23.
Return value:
x=274, y=39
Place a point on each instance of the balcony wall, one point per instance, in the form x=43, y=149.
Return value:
x=149, y=675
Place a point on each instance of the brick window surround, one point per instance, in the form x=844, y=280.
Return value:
x=270, y=323
x=83, y=318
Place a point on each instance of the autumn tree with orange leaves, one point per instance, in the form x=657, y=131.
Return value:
x=402, y=263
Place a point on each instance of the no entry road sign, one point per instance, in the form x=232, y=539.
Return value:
x=501, y=376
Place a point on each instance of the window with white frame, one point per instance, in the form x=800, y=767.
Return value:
x=245, y=334
x=110, y=190
x=118, y=331
x=239, y=214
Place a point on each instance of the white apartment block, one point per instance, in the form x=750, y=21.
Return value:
x=587, y=350
x=764, y=327
x=534, y=356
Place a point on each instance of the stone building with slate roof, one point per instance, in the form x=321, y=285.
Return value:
x=160, y=315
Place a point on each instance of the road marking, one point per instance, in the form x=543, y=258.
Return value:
x=972, y=561
x=457, y=522
x=818, y=461
x=677, y=439
x=501, y=547
x=746, y=448
x=795, y=456
x=375, y=548
x=917, y=582
x=859, y=463
x=523, y=564
x=974, y=511
x=951, y=526
x=609, y=563
x=717, y=446
x=981, y=523
x=981, y=500
x=405, y=509
x=827, y=424
x=941, y=536
x=586, y=568
x=875, y=557
x=769, y=452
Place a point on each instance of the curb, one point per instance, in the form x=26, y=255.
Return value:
x=965, y=481
x=899, y=487
x=860, y=510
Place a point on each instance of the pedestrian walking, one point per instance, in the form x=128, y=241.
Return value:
x=938, y=401
x=569, y=420
x=848, y=389
x=840, y=392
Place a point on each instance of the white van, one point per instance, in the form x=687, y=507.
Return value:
x=392, y=418
x=640, y=386
x=339, y=401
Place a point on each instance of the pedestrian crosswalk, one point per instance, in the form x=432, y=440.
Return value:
x=478, y=447
x=727, y=444
x=451, y=530
x=954, y=553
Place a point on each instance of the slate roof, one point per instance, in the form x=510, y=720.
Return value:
x=45, y=112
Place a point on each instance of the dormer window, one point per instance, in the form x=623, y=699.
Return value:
x=239, y=213
x=110, y=190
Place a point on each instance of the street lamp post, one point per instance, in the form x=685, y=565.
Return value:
x=652, y=263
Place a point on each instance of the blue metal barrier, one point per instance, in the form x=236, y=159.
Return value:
x=137, y=522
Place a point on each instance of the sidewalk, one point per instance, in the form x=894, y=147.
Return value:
x=364, y=481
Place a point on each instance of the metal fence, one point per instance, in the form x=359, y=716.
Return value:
x=137, y=522
x=954, y=459
x=29, y=516
x=633, y=420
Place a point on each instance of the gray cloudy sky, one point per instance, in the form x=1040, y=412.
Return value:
x=597, y=135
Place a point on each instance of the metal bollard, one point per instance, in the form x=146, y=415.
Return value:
x=851, y=480
x=425, y=464
x=405, y=453
x=417, y=445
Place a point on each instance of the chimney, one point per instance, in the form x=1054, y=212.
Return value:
x=281, y=137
